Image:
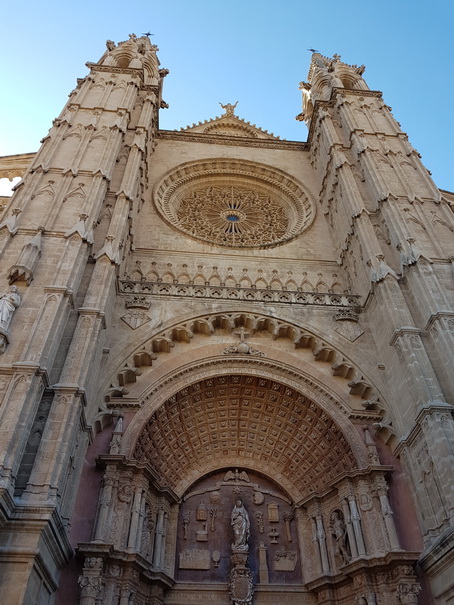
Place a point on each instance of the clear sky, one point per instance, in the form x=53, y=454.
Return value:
x=250, y=51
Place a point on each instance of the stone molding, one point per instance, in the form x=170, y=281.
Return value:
x=164, y=341
x=12, y=166
x=446, y=316
x=242, y=294
x=212, y=139
x=229, y=124
x=437, y=409
x=130, y=71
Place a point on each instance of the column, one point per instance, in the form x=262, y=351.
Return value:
x=350, y=530
x=382, y=489
x=105, y=503
x=157, y=554
x=132, y=538
x=318, y=559
x=321, y=539
x=356, y=521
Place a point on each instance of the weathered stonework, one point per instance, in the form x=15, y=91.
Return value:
x=226, y=379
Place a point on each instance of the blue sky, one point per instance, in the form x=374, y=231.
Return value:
x=249, y=51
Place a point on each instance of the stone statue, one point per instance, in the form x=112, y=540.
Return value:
x=339, y=533
x=8, y=304
x=229, y=108
x=241, y=526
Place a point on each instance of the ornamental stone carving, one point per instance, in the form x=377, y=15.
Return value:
x=233, y=216
x=27, y=262
x=232, y=203
x=241, y=587
x=294, y=438
x=9, y=302
x=339, y=533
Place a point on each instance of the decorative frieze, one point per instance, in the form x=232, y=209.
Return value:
x=243, y=294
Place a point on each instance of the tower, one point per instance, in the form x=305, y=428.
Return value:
x=225, y=357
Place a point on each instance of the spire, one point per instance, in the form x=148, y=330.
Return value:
x=325, y=75
x=134, y=53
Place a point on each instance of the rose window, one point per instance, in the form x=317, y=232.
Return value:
x=233, y=216
x=234, y=203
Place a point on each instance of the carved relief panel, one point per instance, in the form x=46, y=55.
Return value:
x=209, y=530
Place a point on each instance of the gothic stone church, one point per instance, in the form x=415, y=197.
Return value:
x=226, y=359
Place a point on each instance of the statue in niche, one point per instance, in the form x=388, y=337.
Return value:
x=8, y=304
x=339, y=532
x=241, y=527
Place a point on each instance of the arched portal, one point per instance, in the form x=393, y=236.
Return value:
x=250, y=434
x=246, y=420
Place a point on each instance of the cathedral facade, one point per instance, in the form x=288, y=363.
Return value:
x=226, y=359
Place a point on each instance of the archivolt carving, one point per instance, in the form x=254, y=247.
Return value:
x=234, y=203
x=261, y=369
x=246, y=420
x=164, y=341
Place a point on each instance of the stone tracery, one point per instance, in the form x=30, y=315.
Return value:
x=233, y=216
x=183, y=195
